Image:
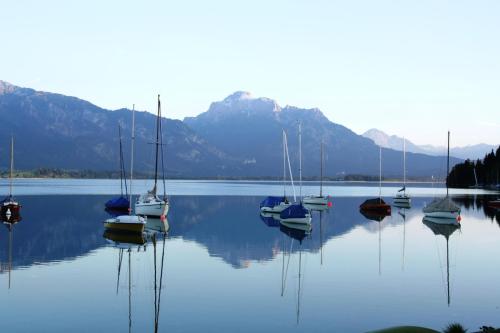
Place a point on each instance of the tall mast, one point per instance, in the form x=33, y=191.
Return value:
x=300, y=160
x=448, y=164
x=11, y=163
x=321, y=172
x=380, y=172
x=121, y=159
x=284, y=165
x=404, y=165
x=132, y=159
x=157, y=143
x=448, y=269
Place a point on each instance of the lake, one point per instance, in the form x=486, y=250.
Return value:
x=223, y=268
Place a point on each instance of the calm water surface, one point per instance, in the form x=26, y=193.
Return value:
x=225, y=268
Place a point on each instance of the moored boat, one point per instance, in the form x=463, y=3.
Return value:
x=443, y=207
x=10, y=206
x=403, y=199
x=318, y=200
x=120, y=203
x=377, y=206
x=128, y=223
x=150, y=204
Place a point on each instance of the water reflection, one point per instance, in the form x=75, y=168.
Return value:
x=298, y=233
x=9, y=220
x=225, y=239
x=156, y=234
x=444, y=230
x=227, y=227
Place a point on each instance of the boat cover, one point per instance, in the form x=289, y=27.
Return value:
x=441, y=205
x=118, y=203
x=272, y=201
x=376, y=201
x=294, y=211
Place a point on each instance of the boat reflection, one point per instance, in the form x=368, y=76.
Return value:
x=155, y=232
x=298, y=233
x=10, y=220
x=271, y=220
x=377, y=216
x=445, y=230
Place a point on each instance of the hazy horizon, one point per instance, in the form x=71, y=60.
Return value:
x=408, y=69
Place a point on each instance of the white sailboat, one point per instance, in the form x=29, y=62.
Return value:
x=318, y=200
x=128, y=223
x=443, y=209
x=150, y=204
x=276, y=204
x=403, y=199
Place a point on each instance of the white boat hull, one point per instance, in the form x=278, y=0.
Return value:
x=126, y=223
x=297, y=220
x=442, y=220
x=276, y=209
x=315, y=200
x=443, y=215
x=152, y=208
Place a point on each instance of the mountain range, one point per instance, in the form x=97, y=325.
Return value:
x=240, y=136
x=385, y=140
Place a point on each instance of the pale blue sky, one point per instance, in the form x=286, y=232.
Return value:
x=414, y=68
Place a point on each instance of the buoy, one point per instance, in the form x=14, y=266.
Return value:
x=162, y=218
x=459, y=218
x=329, y=204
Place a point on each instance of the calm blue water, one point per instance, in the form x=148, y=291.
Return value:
x=225, y=269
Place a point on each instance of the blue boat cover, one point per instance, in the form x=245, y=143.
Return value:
x=294, y=211
x=272, y=201
x=118, y=203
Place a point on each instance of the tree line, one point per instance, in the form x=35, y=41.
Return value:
x=487, y=172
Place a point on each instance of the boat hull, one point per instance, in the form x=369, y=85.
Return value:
x=152, y=209
x=296, y=220
x=316, y=200
x=126, y=223
x=443, y=215
x=124, y=227
x=275, y=209
x=12, y=207
x=494, y=203
x=442, y=220
x=402, y=200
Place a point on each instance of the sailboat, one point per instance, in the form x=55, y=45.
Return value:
x=297, y=213
x=443, y=209
x=276, y=204
x=10, y=206
x=120, y=203
x=378, y=205
x=149, y=204
x=320, y=199
x=438, y=228
x=403, y=199
x=128, y=223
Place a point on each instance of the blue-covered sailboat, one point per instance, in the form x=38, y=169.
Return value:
x=121, y=203
x=297, y=213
